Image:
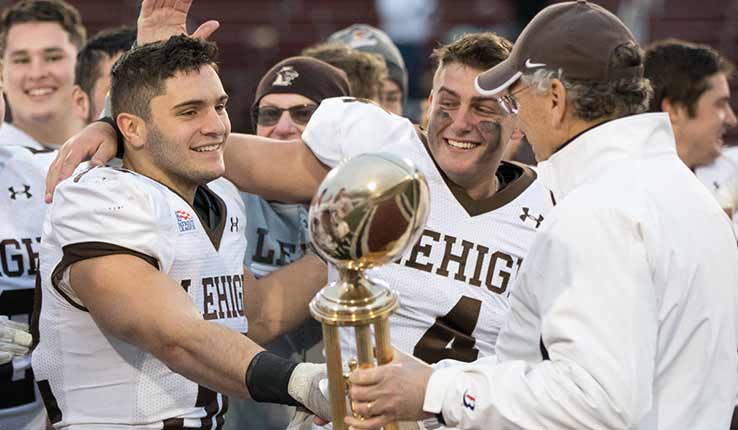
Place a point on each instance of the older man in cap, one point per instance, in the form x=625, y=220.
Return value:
x=624, y=313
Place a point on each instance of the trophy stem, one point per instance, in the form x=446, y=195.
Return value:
x=364, y=346
x=385, y=353
x=336, y=382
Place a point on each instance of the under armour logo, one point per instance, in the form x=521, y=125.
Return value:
x=527, y=216
x=285, y=76
x=26, y=191
x=234, y=223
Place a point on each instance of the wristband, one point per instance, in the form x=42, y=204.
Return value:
x=120, y=149
x=268, y=377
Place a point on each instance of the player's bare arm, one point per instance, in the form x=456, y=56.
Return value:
x=285, y=171
x=131, y=300
x=274, y=169
x=278, y=302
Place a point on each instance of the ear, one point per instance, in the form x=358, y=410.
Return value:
x=133, y=129
x=558, y=103
x=81, y=103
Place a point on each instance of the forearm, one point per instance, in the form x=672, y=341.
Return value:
x=278, y=303
x=163, y=322
x=191, y=354
x=277, y=170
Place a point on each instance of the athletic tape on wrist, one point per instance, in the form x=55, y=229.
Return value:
x=268, y=377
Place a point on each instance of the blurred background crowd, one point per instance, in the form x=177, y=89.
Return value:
x=256, y=34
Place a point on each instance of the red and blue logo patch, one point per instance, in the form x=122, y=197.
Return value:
x=469, y=401
x=184, y=221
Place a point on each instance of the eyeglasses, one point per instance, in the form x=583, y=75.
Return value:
x=269, y=115
x=509, y=103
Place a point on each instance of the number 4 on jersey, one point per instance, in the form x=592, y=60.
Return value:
x=451, y=335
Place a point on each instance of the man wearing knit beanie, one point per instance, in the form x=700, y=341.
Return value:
x=366, y=38
x=290, y=91
x=276, y=233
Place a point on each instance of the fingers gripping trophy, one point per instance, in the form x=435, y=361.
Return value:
x=367, y=212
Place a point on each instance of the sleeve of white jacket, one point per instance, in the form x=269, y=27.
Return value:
x=344, y=127
x=589, y=282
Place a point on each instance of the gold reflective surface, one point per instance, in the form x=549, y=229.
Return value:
x=367, y=212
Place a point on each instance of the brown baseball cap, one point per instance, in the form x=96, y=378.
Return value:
x=576, y=36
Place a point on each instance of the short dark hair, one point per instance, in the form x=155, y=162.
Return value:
x=141, y=74
x=479, y=51
x=58, y=11
x=365, y=71
x=105, y=44
x=679, y=70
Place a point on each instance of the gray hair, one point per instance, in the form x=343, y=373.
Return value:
x=600, y=100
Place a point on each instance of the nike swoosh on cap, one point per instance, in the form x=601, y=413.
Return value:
x=530, y=65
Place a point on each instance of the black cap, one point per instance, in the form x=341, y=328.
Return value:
x=577, y=36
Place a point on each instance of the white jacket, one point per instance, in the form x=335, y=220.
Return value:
x=630, y=289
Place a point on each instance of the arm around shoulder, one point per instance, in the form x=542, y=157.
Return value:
x=279, y=170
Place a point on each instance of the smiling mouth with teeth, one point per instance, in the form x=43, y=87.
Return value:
x=461, y=145
x=39, y=92
x=208, y=148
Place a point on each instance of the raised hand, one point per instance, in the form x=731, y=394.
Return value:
x=161, y=19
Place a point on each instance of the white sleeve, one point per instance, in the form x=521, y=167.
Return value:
x=343, y=127
x=599, y=322
x=106, y=210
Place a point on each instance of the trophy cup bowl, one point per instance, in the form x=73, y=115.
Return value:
x=367, y=212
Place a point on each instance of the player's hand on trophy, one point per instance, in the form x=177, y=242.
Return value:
x=304, y=386
x=161, y=19
x=14, y=339
x=389, y=393
x=97, y=142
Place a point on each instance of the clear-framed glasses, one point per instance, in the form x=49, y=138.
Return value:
x=509, y=103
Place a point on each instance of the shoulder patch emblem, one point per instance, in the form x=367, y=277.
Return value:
x=184, y=221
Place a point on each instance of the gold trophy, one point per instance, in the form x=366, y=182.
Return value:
x=367, y=212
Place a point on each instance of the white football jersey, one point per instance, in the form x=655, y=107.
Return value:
x=12, y=135
x=90, y=379
x=717, y=174
x=454, y=283
x=22, y=208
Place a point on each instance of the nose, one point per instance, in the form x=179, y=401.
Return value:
x=37, y=69
x=730, y=118
x=216, y=123
x=285, y=127
x=461, y=120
